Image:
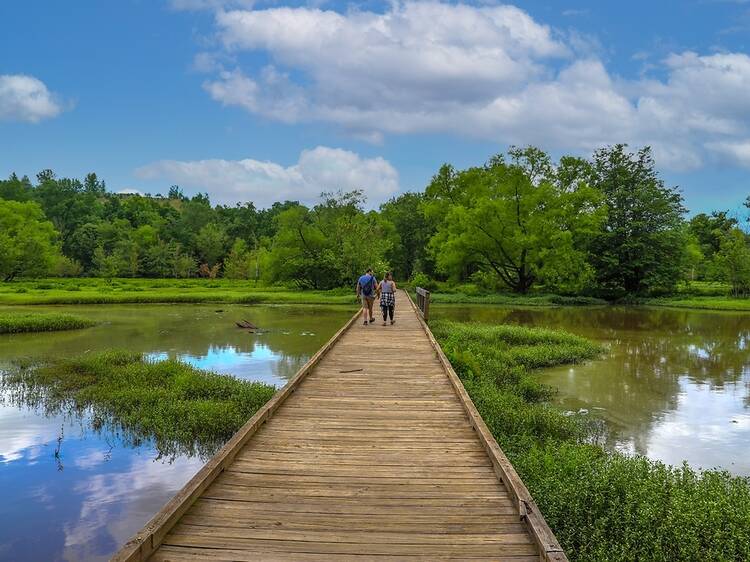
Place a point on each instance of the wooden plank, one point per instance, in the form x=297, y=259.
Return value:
x=543, y=535
x=143, y=544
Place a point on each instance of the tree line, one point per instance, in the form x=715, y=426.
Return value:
x=605, y=226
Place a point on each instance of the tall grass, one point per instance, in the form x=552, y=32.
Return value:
x=601, y=505
x=181, y=408
x=153, y=291
x=16, y=322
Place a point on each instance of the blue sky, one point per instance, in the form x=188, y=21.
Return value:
x=264, y=101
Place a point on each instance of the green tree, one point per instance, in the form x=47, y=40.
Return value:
x=410, y=252
x=211, y=244
x=15, y=189
x=640, y=250
x=182, y=264
x=28, y=242
x=733, y=259
x=709, y=230
x=330, y=245
x=516, y=220
x=239, y=263
x=66, y=204
x=82, y=244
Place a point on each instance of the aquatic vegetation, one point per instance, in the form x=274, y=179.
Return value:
x=701, y=302
x=514, y=300
x=601, y=505
x=154, y=291
x=18, y=322
x=181, y=408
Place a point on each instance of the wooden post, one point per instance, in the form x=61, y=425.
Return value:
x=423, y=303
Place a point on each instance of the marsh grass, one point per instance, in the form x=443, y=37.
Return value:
x=157, y=291
x=701, y=302
x=514, y=300
x=601, y=505
x=19, y=322
x=181, y=408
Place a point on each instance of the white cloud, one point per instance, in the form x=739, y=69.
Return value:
x=490, y=72
x=25, y=98
x=317, y=170
x=736, y=152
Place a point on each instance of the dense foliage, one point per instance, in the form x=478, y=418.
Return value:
x=605, y=227
x=27, y=240
x=640, y=248
x=521, y=221
x=183, y=409
x=601, y=505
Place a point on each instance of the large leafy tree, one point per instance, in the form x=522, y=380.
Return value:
x=67, y=204
x=329, y=245
x=708, y=231
x=733, y=260
x=414, y=231
x=28, y=242
x=640, y=249
x=515, y=218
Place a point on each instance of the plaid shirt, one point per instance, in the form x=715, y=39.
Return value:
x=387, y=299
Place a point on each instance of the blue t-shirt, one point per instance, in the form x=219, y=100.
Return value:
x=367, y=285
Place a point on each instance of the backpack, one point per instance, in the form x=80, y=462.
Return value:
x=369, y=287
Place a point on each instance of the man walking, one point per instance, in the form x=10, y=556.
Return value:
x=366, y=292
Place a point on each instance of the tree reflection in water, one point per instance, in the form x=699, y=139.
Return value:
x=675, y=383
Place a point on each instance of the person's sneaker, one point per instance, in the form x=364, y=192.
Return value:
x=372, y=320
x=366, y=323
x=393, y=322
x=384, y=323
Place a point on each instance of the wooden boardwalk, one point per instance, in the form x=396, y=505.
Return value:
x=372, y=451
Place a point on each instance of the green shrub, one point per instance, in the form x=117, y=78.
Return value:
x=601, y=505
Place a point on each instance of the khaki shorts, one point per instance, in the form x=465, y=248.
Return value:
x=367, y=301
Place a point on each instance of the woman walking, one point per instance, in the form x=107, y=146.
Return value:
x=387, y=288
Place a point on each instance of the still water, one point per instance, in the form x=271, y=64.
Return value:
x=69, y=493
x=674, y=384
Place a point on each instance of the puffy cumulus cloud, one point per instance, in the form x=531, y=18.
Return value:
x=416, y=53
x=317, y=170
x=25, y=98
x=487, y=71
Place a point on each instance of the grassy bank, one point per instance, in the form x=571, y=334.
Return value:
x=183, y=409
x=123, y=291
x=515, y=300
x=709, y=296
x=16, y=322
x=700, y=302
x=601, y=505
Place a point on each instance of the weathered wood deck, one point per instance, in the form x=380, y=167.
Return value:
x=391, y=462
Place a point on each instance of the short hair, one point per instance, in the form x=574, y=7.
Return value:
x=369, y=270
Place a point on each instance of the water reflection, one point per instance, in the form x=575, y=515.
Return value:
x=74, y=493
x=68, y=495
x=674, y=386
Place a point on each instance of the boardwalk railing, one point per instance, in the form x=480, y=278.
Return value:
x=549, y=547
x=423, y=303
